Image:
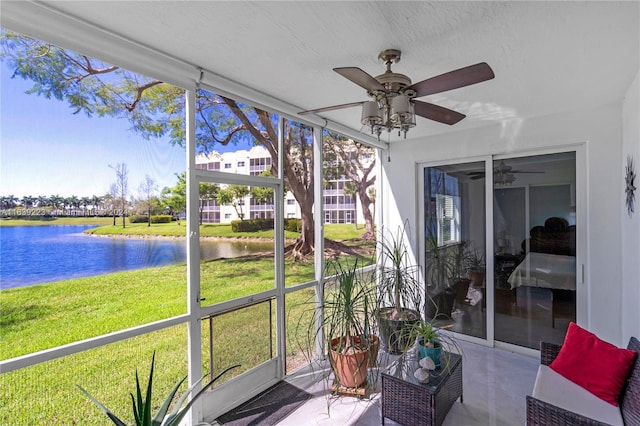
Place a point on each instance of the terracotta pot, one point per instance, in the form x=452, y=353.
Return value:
x=350, y=368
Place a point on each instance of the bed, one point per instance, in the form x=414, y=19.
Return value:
x=552, y=271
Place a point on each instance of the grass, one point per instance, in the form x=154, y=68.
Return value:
x=43, y=316
x=338, y=232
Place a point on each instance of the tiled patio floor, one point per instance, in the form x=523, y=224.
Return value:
x=495, y=385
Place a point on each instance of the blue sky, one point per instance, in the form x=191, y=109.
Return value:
x=45, y=149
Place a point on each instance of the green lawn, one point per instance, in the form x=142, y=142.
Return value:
x=338, y=232
x=43, y=316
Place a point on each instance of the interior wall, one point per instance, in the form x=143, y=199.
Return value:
x=599, y=130
x=631, y=224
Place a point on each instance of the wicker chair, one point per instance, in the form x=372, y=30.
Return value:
x=541, y=413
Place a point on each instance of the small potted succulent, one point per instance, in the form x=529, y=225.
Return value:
x=431, y=342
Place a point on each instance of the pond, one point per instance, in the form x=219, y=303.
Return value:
x=39, y=254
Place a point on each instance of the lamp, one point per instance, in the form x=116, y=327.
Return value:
x=370, y=114
x=389, y=112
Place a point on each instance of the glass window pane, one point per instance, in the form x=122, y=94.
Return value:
x=45, y=394
x=298, y=161
x=82, y=198
x=300, y=335
x=234, y=137
x=535, y=264
x=244, y=336
x=455, y=267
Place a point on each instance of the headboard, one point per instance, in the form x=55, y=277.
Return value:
x=555, y=237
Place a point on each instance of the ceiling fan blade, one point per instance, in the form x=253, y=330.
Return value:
x=477, y=177
x=522, y=171
x=360, y=78
x=437, y=113
x=453, y=79
x=331, y=108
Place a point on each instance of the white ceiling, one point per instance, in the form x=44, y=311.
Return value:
x=547, y=56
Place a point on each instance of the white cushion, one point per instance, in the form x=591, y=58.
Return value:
x=555, y=389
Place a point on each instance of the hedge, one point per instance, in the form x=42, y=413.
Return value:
x=253, y=225
x=138, y=218
x=160, y=218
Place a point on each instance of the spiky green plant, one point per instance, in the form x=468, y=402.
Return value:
x=142, y=406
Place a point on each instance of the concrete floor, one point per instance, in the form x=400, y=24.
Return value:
x=495, y=384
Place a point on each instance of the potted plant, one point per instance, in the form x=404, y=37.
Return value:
x=427, y=341
x=430, y=342
x=142, y=403
x=445, y=271
x=345, y=321
x=399, y=293
x=475, y=266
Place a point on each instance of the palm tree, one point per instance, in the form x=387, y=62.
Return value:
x=27, y=201
x=56, y=201
x=84, y=203
x=96, y=201
x=9, y=201
x=74, y=204
x=42, y=201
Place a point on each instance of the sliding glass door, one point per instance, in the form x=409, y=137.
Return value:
x=525, y=290
x=534, y=222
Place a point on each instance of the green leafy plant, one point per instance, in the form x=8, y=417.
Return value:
x=142, y=405
x=346, y=307
x=345, y=322
x=475, y=258
x=398, y=282
x=425, y=334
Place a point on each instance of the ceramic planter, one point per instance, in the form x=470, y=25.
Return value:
x=434, y=353
x=394, y=334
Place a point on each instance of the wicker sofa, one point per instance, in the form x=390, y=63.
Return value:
x=545, y=413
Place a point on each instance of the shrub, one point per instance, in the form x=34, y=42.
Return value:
x=293, y=225
x=251, y=225
x=161, y=218
x=254, y=225
x=138, y=218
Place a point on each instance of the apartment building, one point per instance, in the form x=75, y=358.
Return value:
x=340, y=206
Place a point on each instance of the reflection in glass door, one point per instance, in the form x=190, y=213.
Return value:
x=534, y=221
x=454, y=247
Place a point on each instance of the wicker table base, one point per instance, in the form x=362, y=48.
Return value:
x=409, y=402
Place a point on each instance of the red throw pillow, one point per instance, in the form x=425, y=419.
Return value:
x=596, y=365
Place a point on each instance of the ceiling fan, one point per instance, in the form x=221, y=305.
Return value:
x=502, y=173
x=393, y=103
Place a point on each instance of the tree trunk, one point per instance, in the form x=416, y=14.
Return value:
x=304, y=245
x=365, y=203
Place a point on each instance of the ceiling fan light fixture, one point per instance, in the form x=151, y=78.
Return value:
x=400, y=105
x=371, y=114
x=393, y=104
x=392, y=111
